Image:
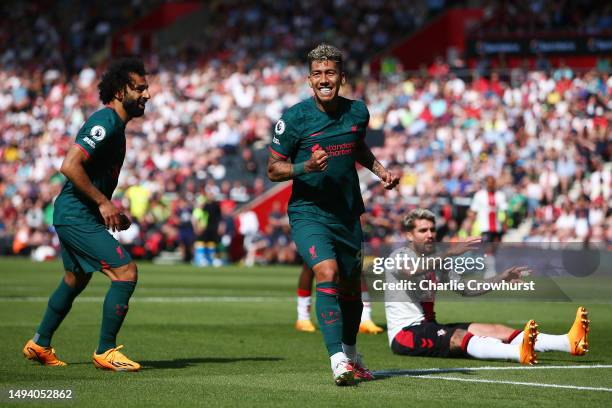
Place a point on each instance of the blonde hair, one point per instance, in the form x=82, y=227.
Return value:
x=325, y=52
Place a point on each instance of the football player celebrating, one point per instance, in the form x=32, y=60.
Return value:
x=317, y=143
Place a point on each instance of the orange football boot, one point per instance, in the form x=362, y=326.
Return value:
x=44, y=355
x=528, y=355
x=578, y=334
x=369, y=327
x=114, y=360
x=305, y=326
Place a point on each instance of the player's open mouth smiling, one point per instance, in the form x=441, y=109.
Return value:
x=325, y=90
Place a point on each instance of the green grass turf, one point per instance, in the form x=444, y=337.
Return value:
x=198, y=351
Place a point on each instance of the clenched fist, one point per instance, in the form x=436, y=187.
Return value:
x=317, y=161
x=389, y=180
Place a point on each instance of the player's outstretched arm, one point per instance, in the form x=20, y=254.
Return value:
x=73, y=168
x=514, y=274
x=365, y=157
x=280, y=169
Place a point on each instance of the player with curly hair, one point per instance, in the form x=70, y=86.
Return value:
x=84, y=214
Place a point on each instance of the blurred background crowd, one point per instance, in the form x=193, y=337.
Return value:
x=196, y=162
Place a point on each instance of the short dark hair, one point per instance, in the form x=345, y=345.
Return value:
x=325, y=52
x=418, y=214
x=117, y=76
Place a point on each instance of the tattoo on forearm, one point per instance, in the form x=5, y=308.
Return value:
x=378, y=168
x=279, y=169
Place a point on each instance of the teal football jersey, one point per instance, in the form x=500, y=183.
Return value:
x=304, y=128
x=102, y=138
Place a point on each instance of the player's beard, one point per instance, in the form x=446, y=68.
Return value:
x=133, y=108
x=426, y=248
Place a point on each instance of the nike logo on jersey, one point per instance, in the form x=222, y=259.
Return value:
x=354, y=129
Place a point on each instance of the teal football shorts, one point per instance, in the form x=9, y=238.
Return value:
x=90, y=247
x=318, y=239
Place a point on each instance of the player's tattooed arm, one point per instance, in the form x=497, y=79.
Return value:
x=378, y=169
x=280, y=169
x=365, y=157
x=73, y=167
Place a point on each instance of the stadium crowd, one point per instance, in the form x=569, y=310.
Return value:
x=62, y=34
x=545, y=137
x=527, y=16
x=58, y=33
x=199, y=151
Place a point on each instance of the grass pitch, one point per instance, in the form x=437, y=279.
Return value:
x=224, y=337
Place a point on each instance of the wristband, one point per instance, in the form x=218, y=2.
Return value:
x=298, y=169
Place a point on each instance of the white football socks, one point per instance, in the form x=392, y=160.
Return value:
x=547, y=342
x=303, y=307
x=488, y=348
x=337, y=358
x=366, y=313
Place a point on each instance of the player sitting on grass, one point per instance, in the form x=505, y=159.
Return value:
x=414, y=331
x=304, y=291
x=84, y=213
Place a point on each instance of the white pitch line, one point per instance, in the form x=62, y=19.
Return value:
x=162, y=299
x=544, y=385
x=418, y=372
